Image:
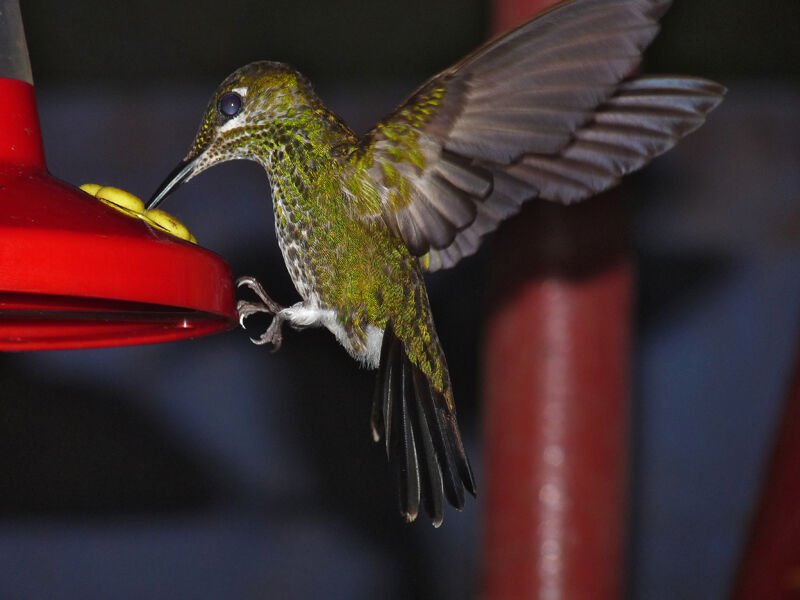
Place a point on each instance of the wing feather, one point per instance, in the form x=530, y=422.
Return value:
x=463, y=175
x=452, y=202
x=616, y=142
x=548, y=110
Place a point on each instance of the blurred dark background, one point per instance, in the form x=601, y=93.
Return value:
x=212, y=468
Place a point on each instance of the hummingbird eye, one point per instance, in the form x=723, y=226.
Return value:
x=229, y=104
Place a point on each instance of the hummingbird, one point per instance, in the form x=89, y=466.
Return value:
x=552, y=110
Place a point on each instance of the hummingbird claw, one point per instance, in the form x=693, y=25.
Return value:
x=273, y=334
x=246, y=309
x=251, y=282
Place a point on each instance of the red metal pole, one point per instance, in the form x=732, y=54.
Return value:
x=556, y=387
x=771, y=564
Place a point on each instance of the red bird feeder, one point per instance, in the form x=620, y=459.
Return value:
x=75, y=273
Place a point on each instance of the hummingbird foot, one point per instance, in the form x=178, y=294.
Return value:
x=273, y=335
x=269, y=305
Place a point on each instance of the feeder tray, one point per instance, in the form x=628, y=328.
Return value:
x=75, y=273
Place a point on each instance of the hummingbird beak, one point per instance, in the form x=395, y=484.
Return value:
x=180, y=174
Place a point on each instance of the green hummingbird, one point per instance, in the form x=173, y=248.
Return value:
x=553, y=109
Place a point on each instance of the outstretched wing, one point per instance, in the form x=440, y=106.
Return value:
x=646, y=117
x=474, y=142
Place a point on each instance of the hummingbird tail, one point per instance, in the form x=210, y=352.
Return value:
x=422, y=438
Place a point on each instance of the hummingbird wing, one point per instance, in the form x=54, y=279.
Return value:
x=546, y=110
x=646, y=117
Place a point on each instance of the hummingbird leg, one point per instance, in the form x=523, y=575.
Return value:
x=273, y=334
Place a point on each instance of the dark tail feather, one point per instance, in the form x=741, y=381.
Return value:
x=404, y=448
x=431, y=475
x=422, y=438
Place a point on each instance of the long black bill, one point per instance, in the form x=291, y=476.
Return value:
x=180, y=174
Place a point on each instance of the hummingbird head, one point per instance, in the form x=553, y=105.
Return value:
x=250, y=114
